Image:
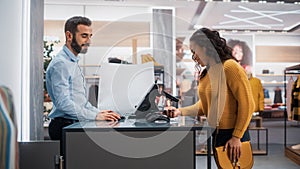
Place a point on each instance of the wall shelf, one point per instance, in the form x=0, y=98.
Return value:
x=90, y=65
x=272, y=84
x=92, y=77
x=271, y=75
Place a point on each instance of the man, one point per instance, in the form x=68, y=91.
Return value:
x=66, y=84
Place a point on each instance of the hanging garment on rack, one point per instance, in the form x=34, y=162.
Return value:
x=277, y=95
x=8, y=131
x=93, y=95
x=295, y=106
x=258, y=94
x=266, y=93
x=289, y=87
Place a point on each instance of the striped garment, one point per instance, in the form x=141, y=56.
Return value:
x=8, y=131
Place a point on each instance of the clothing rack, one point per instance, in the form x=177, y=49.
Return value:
x=288, y=71
x=289, y=152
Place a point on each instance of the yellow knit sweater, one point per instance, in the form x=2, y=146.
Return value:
x=258, y=94
x=224, y=95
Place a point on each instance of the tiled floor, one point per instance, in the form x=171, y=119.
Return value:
x=275, y=158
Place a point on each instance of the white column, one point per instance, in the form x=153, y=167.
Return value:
x=11, y=50
x=16, y=65
x=163, y=28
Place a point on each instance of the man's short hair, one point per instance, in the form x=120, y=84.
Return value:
x=71, y=24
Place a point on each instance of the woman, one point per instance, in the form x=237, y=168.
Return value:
x=242, y=52
x=224, y=91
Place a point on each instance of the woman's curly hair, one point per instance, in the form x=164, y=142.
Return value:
x=215, y=45
x=247, y=54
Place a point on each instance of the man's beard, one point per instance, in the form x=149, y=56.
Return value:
x=78, y=48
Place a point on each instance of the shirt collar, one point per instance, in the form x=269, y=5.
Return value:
x=71, y=55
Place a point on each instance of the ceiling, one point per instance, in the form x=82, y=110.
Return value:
x=190, y=15
x=250, y=16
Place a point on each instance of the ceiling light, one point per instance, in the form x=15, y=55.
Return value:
x=246, y=1
x=196, y=27
x=262, y=1
x=280, y=2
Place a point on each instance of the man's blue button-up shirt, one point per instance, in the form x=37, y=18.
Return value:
x=66, y=86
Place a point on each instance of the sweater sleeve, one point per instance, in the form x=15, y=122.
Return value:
x=193, y=110
x=239, y=85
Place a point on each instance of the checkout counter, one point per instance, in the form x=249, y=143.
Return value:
x=133, y=143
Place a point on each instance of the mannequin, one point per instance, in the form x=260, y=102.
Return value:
x=257, y=91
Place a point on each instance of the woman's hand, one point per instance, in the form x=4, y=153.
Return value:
x=108, y=115
x=171, y=112
x=234, y=147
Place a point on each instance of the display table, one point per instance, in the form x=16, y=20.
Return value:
x=133, y=143
x=274, y=113
x=258, y=150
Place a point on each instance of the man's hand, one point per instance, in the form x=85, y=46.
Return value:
x=108, y=115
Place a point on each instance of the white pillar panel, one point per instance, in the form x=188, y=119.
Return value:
x=21, y=62
x=164, y=43
x=11, y=51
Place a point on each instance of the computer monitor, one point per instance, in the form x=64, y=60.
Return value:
x=123, y=87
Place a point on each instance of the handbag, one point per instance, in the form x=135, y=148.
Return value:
x=244, y=162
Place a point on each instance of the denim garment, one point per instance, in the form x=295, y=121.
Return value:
x=66, y=86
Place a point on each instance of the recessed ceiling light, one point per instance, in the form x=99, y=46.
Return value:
x=196, y=27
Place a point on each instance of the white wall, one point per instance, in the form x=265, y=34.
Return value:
x=275, y=40
x=98, y=55
x=21, y=62
x=11, y=49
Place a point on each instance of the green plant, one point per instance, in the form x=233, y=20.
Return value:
x=48, y=49
x=48, y=56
